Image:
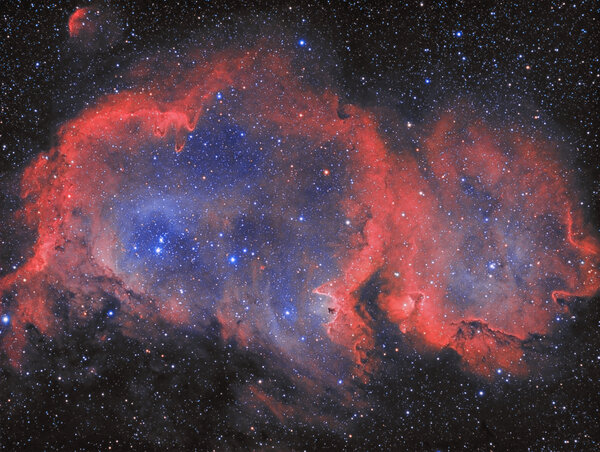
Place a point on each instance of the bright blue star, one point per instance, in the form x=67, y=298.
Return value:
x=219, y=95
x=110, y=313
x=5, y=319
x=427, y=81
x=301, y=42
x=232, y=259
x=458, y=34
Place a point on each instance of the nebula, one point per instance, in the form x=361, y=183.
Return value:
x=93, y=27
x=476, y=243
x=227, y=188
x=78, y=21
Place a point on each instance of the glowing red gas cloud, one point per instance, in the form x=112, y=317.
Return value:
x=78, y=21
x=476, y=242
x=474, y=239
x=94, y=27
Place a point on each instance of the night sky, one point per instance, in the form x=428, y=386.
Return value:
x=307, y=226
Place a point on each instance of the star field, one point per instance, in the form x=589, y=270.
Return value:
x=238, y=225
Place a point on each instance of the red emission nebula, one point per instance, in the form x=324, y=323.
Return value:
x=475, y=239
x=79, y=22
x=476, y=242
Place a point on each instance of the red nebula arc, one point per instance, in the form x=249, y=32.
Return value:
x=78, y=22
x=475, y=238
x=94, y=27
x=476, y=241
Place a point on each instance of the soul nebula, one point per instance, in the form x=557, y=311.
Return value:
x=232, y=191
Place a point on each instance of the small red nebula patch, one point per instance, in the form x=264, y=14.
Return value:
x=79, y=22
